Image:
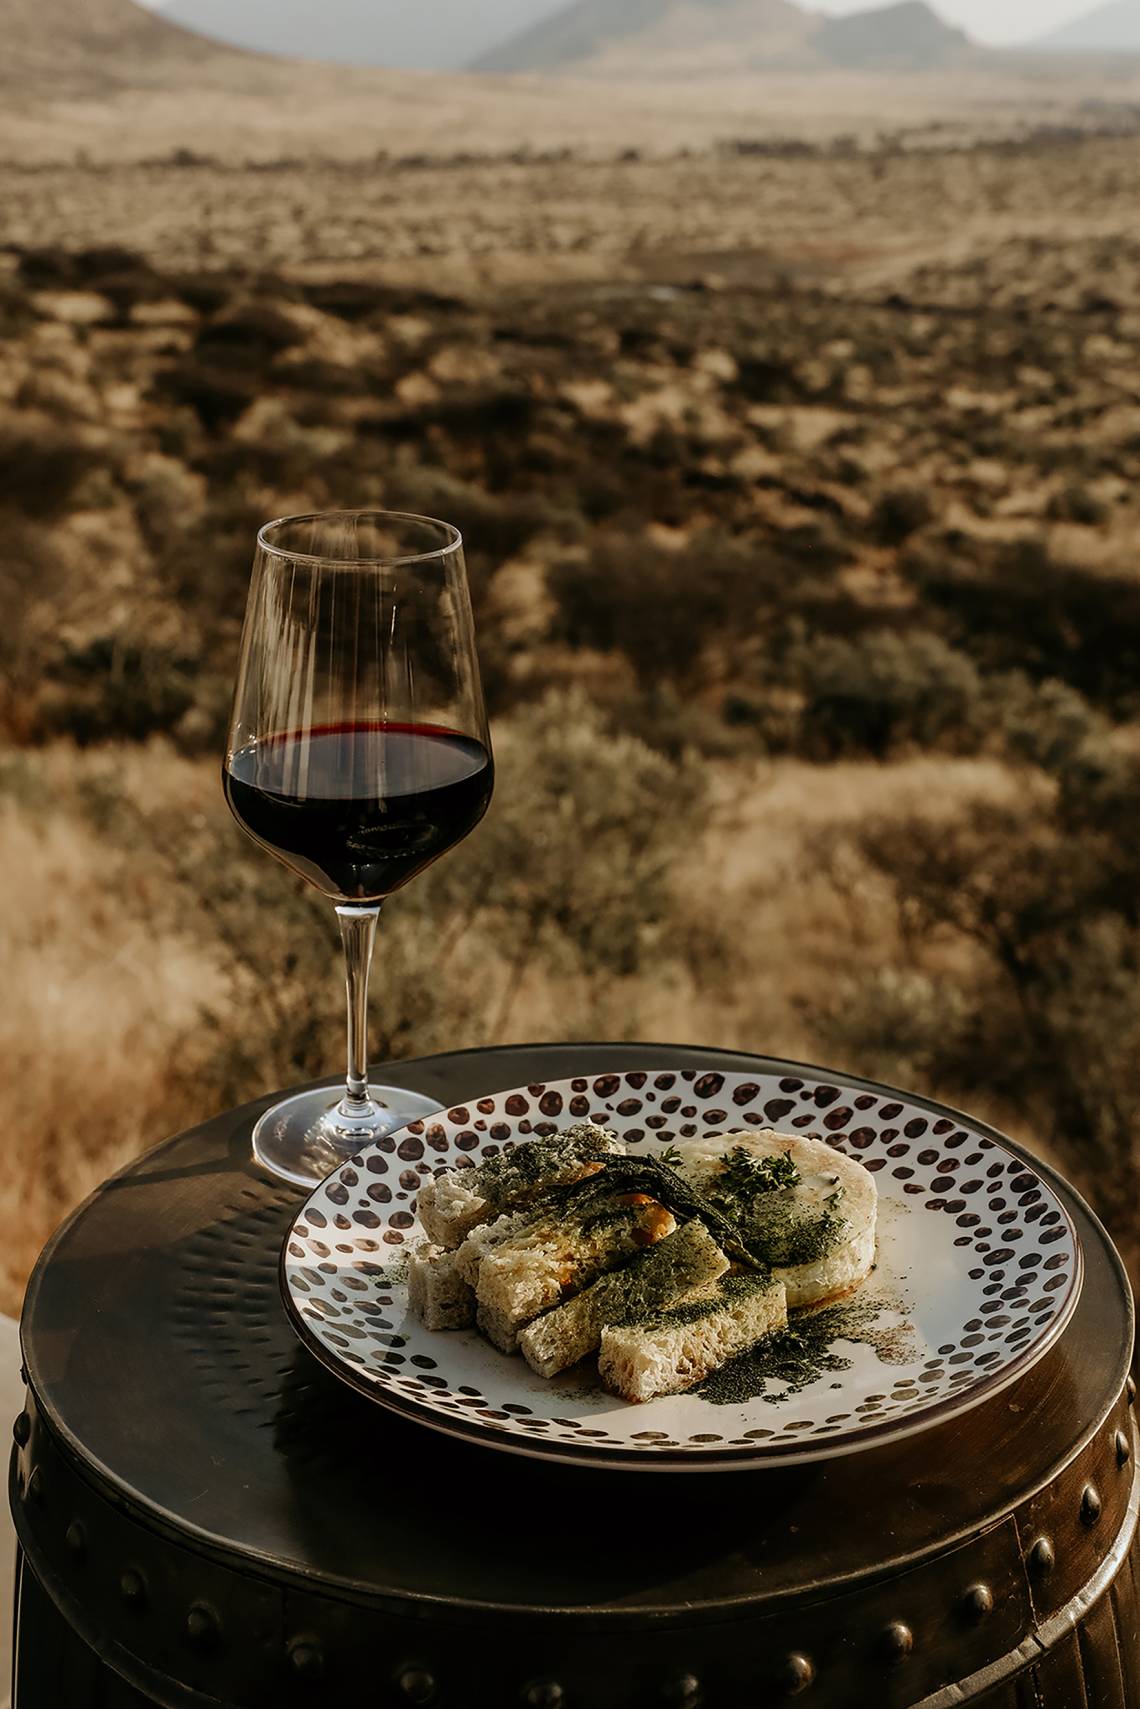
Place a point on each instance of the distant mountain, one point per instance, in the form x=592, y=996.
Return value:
x=658, y=38
x=91, y=42
x=1114, y=28
x=437, y=35
x=909, y=36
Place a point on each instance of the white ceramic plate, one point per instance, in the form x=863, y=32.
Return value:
x=978, y=1268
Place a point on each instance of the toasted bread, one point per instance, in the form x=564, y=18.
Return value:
x=676, y=1349
x=455, y=1202
x=686, y=1260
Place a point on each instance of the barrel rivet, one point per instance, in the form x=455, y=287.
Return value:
x=76, y=1539
x=306, y=1659
x=1123, y=1449
x=1042, y=1558
x=978, y=1602
x=417, y=1684
x=36, y=1486
x=22, y=1429
x=896, y=1642
x=1130, y=1390
x=1090, y=1505
x=798, y=1674
x=544, y=1694
x=203, y=1628
x=684, y=1692
x=133, y=1587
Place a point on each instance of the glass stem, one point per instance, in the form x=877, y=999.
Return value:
x=358, y=934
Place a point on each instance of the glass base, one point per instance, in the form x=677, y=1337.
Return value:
x=306, y=1137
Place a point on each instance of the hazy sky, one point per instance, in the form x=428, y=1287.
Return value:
x=993, y=21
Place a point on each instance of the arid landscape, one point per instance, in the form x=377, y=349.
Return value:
x=793, y=425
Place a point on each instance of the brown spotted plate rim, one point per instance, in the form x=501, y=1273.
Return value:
x=761, y=1455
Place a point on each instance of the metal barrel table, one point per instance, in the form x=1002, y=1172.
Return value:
x=206, y=1518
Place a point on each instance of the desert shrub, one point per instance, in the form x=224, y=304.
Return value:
x=117, y=687
x=1043, y=896
x=251, y=334
x=1077, y=503
x=663, y=609
x=203, y=565
x=218, y=395
x=565, y=891
x=899, y=512
x=325, y=379
x=42, y=465
x=31, y=579
x=878, y=691
x=1018, y=608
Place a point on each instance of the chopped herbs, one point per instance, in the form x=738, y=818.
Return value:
x=527, y=1165
x=744, y=1176
x=790, y=1360
x=729, y=1292
x=650, y=1175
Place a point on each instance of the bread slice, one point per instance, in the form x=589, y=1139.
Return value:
x=818, y=1235
x=684, y=1261
x=563, y=1249
x=437, y=1294
x=455, y=1202
x=672, y=1351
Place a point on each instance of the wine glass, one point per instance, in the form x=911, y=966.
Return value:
x=358, y=754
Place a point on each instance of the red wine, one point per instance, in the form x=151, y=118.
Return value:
x=358, y=809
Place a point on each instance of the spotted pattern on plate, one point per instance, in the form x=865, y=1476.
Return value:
x=987, y=1251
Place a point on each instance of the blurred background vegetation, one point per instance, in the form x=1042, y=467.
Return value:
x=808, y=613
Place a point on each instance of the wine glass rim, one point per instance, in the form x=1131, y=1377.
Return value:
x=453, y=543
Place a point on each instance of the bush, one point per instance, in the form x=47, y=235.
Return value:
x=900, y=512
x=115, y=688
x=42, y=466
x=1018, y=608
x=665, y=610
x=878, y=691
x=563, y=895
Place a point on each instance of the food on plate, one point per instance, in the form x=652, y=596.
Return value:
x=807, y=1209
x=525, y=1263
x=672, y=1350
x=454, y=1203
x=668, y=1266
x=437, y=1293
x=684, y=1262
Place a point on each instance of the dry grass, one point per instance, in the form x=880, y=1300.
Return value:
x=101, y=1009
x=105, y=1053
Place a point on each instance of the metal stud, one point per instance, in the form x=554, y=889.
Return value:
x=977, y=1603
x=1130, y=1390
x=36, y=1486
x=544, y=1694
x=133, y=1586
x=76, y=1539
x=1090, y=1506
x=417, y=1684
x=797, y=1674
x=307, y=1660
x=203, y=1628
x=1042, y=1558
x=684, y=1692
x=896, y=1642
x=22, y=1429
x=1123, y=1449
